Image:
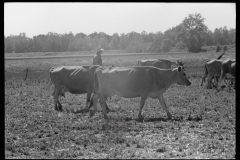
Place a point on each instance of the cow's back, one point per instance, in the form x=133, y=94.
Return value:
x=163, y=64
x=214, y=66
x=158, y=63
x=74, y=79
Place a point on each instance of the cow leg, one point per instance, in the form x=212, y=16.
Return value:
x=90, y=102
x=209, y=82
x=55, y=98
x=141, y=104
x=102, y=101
x=215, y=82
x=163, y=104
x=221, y=78
x=94, y=100
x=57, y=104
x=203, y=79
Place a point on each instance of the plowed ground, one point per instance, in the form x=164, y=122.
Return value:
x=203, y=124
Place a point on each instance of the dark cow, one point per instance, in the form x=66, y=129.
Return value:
x=212, y=70
x=228, y=67
x=137, y=81
x=73, y=79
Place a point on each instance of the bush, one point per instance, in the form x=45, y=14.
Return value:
x=218, y=48
x=166, y=45
x=181, y=45
x=155, y=46
x=224, y=48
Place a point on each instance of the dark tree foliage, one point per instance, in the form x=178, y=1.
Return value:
x=192, y=34
x=166, y=45
x=224, y=48
x=218, y=48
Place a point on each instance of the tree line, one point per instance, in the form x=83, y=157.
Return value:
x=192, y=34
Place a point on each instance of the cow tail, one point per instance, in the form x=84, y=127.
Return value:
x=50, y=75
x=205, y=72
x=221, y=55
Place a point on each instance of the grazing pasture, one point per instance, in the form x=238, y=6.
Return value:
x=203, y=124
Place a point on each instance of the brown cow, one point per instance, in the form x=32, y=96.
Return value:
x=136, y=81
x=74, y=79
x=228, y=67
x=212, y=70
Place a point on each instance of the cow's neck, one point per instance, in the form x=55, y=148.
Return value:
x=170, y=79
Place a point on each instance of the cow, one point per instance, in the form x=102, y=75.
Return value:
x=159, y=63
x=212, y=69
x=136, y=81
x=73, y=79
x=228, y=67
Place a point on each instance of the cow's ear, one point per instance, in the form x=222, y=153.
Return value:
x=179, y=69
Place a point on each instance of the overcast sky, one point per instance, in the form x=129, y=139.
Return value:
x=41, y=18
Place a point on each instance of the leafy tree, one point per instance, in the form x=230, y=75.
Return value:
x=8, y=44
x=208, y=38
x=103, y=42
x=171, y=35
x=218, y=48
x=232, y=36
x=225, y=35
x=115, y=41
x=217, y=36
x=192, y=33
x=155, y=46
x=166, y=45
x=181, y=45
x=224, y=48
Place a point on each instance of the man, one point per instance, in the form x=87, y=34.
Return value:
x=97, y=60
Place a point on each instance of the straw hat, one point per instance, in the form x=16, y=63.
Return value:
x=99, y=49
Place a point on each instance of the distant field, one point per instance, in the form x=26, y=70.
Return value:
x=203, y=125
x=32, y=54
x=192, y=60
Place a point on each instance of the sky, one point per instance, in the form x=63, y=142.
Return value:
x=41, y=18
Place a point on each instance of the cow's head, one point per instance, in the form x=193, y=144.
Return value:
x=179, y=63
x=181, y=78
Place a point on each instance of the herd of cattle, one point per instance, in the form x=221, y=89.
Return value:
x=150, y=78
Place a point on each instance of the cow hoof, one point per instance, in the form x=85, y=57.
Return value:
x=58, y=109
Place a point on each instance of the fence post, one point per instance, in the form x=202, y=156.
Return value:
x=26, y=75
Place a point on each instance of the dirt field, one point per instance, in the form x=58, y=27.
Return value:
x=203, y=124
